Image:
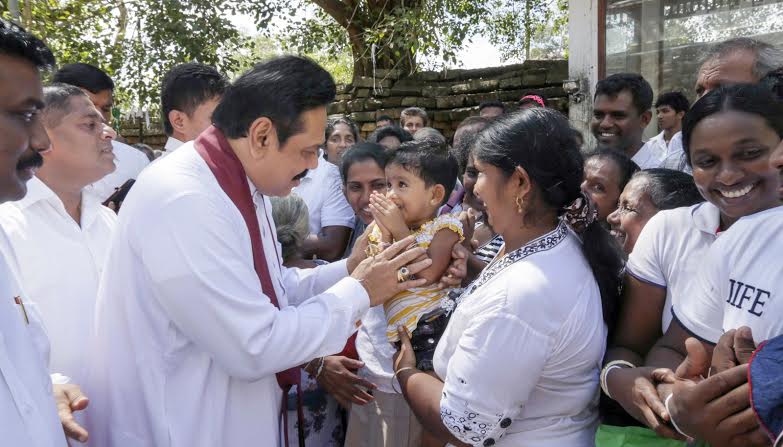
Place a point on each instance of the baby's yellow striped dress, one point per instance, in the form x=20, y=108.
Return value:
x=409, y=306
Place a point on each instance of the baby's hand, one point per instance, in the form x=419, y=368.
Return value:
x=388, y=216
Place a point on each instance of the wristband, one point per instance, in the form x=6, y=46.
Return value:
x=394, y=377
x=671, y=417
x=605, y=373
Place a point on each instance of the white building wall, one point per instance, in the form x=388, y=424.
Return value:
x=583, y=63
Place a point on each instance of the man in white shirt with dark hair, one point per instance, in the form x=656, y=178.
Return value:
x=200, y=330
x=670, y=108
x=99, y=87
x=59, y=233
x=28, y=414
x=189, y=94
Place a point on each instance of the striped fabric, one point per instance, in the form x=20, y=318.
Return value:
x=490, y=249
x=409, y=306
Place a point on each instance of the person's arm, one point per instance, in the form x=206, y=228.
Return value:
x=440, y=253
x=337, y=218
x=329, y=244
x=207, y=286
x=637, y=330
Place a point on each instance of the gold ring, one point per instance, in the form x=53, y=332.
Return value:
x=403, y=274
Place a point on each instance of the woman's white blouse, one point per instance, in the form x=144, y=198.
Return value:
x=521, y=355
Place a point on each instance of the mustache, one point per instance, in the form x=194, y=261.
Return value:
x=301, y=175
x=33, y=161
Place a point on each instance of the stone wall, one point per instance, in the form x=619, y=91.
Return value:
x=137, y=130
x=449, y=96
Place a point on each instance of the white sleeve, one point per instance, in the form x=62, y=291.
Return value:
x=701, y=313
x=302, y=284
x=205, y=282
x=483, y=389
x=646, y=262
x=335, y=210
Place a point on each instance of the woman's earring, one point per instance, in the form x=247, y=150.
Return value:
x=519, y=203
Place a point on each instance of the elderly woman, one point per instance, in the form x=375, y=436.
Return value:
x=322, y=414
x=518, y=363
x=648, y=192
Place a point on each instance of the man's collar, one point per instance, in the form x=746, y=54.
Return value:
x=38, y=191
x=172, y=144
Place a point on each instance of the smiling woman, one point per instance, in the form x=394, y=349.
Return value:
x=728, y=137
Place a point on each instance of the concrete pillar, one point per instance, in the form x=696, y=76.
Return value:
x=582, y=64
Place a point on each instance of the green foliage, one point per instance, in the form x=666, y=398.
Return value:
x=259, y=48
x=137, y=41
x=530, y=29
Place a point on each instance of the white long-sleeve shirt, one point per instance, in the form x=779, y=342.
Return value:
x=60, y=263
x=28, y=415
x=187, y=345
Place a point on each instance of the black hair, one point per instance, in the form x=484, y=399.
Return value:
x=362, y=152
x=390, y=131
x=86, y=76
x=540, y=141
x=462, y=151
x=186, y=86
x=384, y=118
x=623, y=162
x=17, y=42
x=748, y=98
x=491, y=103
x=774, y=82
x=430, y=160
x=669, y=188
x=675, y=100
x=333, y=121
x=467, y=132
x=635, y=84
x=280, y=89
x=57, y=101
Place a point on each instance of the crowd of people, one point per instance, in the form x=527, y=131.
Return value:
x=274, y=278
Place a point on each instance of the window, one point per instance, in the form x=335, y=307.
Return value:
x=663, y=40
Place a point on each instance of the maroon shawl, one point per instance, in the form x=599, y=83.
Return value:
x=225, y=166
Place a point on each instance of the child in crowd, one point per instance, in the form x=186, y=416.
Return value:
x=420, y=177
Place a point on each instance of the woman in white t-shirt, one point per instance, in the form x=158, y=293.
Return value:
x=518, y=363
x=728, y=137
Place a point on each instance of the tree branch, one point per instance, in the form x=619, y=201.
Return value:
x=339, y=11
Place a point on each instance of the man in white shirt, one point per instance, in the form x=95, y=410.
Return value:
x=28, y=415
x=61, y=234
x=189, y=94
x=100, y=89
x=621, y=111
x=331, y=217
x=670, y=108
x=198, y=325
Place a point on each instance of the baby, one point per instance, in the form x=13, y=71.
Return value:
x=420, y=177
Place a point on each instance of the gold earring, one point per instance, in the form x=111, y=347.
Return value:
x=519, y=203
